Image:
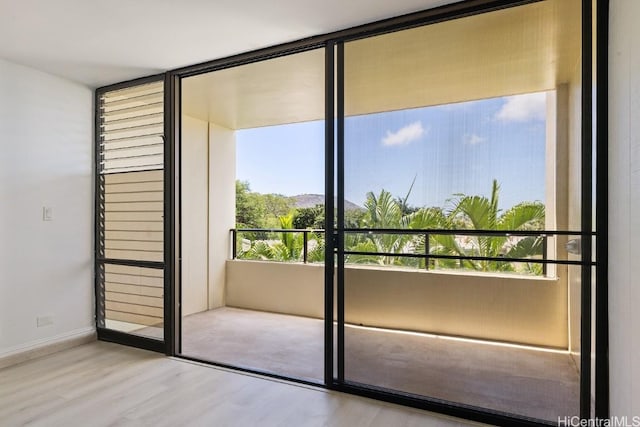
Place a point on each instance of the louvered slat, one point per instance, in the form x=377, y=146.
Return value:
x=131, y=169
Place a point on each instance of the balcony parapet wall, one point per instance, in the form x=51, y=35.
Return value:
x=500, y=307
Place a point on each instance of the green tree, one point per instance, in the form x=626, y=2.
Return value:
x=276, y=206
x=385, y=212
x=250, y=209
x=309, y=217
x=467, y=212
x=482, y=213
x=287, y=246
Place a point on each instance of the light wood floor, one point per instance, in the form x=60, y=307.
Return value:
x=103, y=384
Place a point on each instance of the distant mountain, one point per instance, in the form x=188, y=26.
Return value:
x=310, y=200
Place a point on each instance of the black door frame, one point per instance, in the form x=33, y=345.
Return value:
x=587, y=232
x=333, y=44
x=103, y=333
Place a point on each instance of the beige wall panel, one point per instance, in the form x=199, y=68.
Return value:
x=281, y=288
x=195, y=211
x=505, y=308
x=521, y=310
x=222, y=207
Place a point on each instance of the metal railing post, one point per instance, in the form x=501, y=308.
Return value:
x=305, y=240
x=544, y=255
x=426, y=251
x=234, y=238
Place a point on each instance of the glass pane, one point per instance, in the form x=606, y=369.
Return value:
x=462, y=165
x=253, y=204
x=134, y=300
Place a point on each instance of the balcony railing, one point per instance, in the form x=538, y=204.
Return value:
x=422, y=241
x=305, y=238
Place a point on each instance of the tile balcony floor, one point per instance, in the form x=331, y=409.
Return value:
x=526, y=381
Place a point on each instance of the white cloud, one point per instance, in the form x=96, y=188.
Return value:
x=404, y=135
x=522, y=108
x=473, y=139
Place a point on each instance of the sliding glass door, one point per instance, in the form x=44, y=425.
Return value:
x=460, y=180
x=252, y=204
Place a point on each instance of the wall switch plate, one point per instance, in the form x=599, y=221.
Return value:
x=44, y=321
x=47, y=213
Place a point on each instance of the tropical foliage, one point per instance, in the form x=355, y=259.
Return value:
x=482, y=213
x=283, y=246
x=383, y=211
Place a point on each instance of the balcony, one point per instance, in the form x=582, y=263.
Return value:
x=493, y=340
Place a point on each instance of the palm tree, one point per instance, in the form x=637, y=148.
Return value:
x=288, y=247
x=482, y=213
x=385, y=212
x=467, y=212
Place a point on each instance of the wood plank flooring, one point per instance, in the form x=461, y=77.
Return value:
x=104, y=384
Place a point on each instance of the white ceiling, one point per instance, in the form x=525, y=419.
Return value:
x=102, y=42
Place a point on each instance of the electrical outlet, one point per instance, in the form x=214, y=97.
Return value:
x=44, y=321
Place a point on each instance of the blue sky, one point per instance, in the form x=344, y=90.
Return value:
x=454, y=148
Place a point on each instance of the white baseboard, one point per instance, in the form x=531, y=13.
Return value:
x=45, y=346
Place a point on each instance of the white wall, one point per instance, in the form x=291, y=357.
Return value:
x=45, y=160
x=624, y=206
x=195, y=214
